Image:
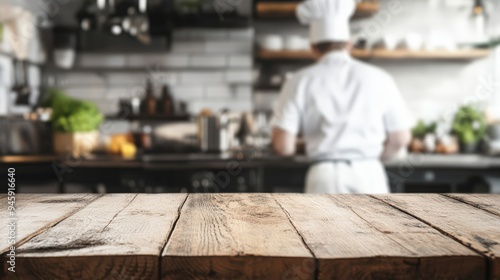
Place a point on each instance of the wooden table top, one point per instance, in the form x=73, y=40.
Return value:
x=254, y=236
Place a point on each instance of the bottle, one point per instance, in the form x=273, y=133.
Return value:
x=479, y=18
x=149, y=102
x=167, y=101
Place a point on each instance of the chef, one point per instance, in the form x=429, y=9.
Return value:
x=350, y=114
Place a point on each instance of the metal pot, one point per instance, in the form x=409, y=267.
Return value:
x=469, y=148
x=214, y=132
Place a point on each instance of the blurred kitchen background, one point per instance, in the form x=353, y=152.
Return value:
x=181, y=92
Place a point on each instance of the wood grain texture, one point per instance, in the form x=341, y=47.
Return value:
x=381, y=54
x=37, y=212
x=469, y=225
x=235, y=236
x=287, y=9
x=118, y=236
x=487, y=202
x=358, y=237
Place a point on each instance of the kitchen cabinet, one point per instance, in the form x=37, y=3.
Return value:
x=201, y=173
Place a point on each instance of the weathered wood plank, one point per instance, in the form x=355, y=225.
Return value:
x=37, y=212
x=487, y=202
x=471, y=226
x=358, y=237
x=235, y=236
x=118, y=236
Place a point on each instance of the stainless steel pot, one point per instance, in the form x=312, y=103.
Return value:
x=214, y=133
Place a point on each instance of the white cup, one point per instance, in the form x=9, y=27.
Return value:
x=272, y=42
x=294, y=43
x=64, y=58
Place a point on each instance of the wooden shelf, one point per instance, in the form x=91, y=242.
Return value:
x=465, y=54
x=156, y=117
x=287, y=9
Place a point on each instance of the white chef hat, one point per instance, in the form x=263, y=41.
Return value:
x=328, y=19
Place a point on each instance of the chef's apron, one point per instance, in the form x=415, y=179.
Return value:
x=347, y=176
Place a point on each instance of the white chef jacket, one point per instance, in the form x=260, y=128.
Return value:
x=343, y=107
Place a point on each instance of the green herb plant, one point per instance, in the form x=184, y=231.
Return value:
x=469, y=125
x=421, y=129
x=71, y=115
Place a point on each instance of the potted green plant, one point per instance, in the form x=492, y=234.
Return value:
x=469, y=125
x=75, y=123
x=424, y=138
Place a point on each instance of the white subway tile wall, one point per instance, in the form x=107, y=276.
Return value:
x=163, y=60
x=206, y=68
x=96, y=60
x=219, y=91
x=203, y=77
x=240, y=61
x=210, y=61
x=187, y=93
x=242, y=76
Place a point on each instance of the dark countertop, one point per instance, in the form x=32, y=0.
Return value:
x=253, y=160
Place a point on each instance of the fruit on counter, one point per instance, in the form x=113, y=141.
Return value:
x=128, y=150
x=122, y=144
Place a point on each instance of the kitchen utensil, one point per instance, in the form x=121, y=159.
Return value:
x=136, y=105
x=137, y=24
x=21, y=137
x=246, y=128
x=64, y=58
x=64, y=47
x=15, y=71
x=125, y=108
x=24, y=91
x=214, y=132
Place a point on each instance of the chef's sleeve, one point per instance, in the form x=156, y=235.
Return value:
x=396, y=117
x=286, y=115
